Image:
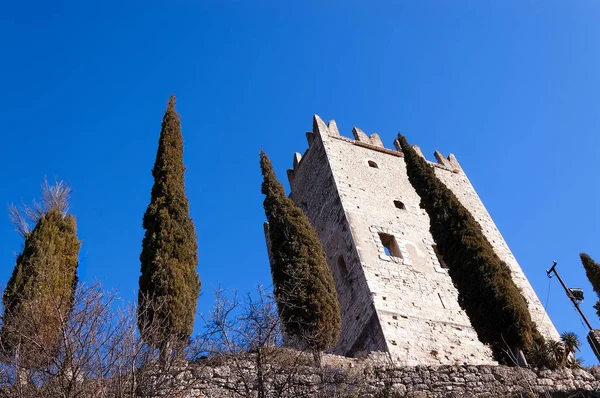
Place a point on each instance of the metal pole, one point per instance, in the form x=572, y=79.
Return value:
x=553, y=269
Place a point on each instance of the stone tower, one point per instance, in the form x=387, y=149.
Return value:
x=395, y=293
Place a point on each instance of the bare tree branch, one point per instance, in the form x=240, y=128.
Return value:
x=54, y=197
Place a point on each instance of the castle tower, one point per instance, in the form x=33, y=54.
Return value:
x=395, y=293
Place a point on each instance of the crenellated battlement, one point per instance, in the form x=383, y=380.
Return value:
x=395, y=292
x=322, y=132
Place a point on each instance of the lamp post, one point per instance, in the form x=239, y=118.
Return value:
x=576, y=296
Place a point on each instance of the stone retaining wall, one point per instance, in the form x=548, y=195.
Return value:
x=342, y=377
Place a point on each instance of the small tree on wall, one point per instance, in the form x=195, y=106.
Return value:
x=169, y=284
x=592, y=270
x=303, y=283
x=494, y=304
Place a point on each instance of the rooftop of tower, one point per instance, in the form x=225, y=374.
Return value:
x=372, y=142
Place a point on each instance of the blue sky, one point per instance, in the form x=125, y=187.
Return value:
x=510, y=87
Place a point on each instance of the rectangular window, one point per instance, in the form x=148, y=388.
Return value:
x=390, y=246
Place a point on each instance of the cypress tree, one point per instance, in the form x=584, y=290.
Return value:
x=592, y=270
x=39, y=295
x=487, y=292
x=169, y=283
x=303, y=283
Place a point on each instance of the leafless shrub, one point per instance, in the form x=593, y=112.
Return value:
x=245, y=335
x=101, y=355
x=55, y=196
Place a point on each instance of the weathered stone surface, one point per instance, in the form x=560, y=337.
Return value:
x=593, y=339
x=360, y=135
x=395, y=294
x=451, y=174
x=369, y=376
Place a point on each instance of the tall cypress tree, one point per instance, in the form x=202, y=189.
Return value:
x=592, y=270
x=169, y=283
x=39, y=295
x=303, y=283
x=487, y=292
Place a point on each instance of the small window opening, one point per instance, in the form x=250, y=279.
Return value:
x=439, y=257
x=390, y=246
x=373, y=164
x=342, y=267
x=399, y=205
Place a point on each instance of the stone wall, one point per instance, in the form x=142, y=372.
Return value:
x=315, y=190
x=345, y=378
x=451, y=174
x=357, y=195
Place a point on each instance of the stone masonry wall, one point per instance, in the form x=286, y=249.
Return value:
x=415, y=303
x=395, y=295
x=451, y=174
x=313, y=189
x=345, y=378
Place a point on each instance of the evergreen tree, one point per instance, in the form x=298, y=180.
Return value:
x=169, y=283
x=39, y=295
x=303, y=283
x=592, y=270
x=487, y=292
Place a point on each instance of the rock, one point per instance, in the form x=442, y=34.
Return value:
x=222, y=372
